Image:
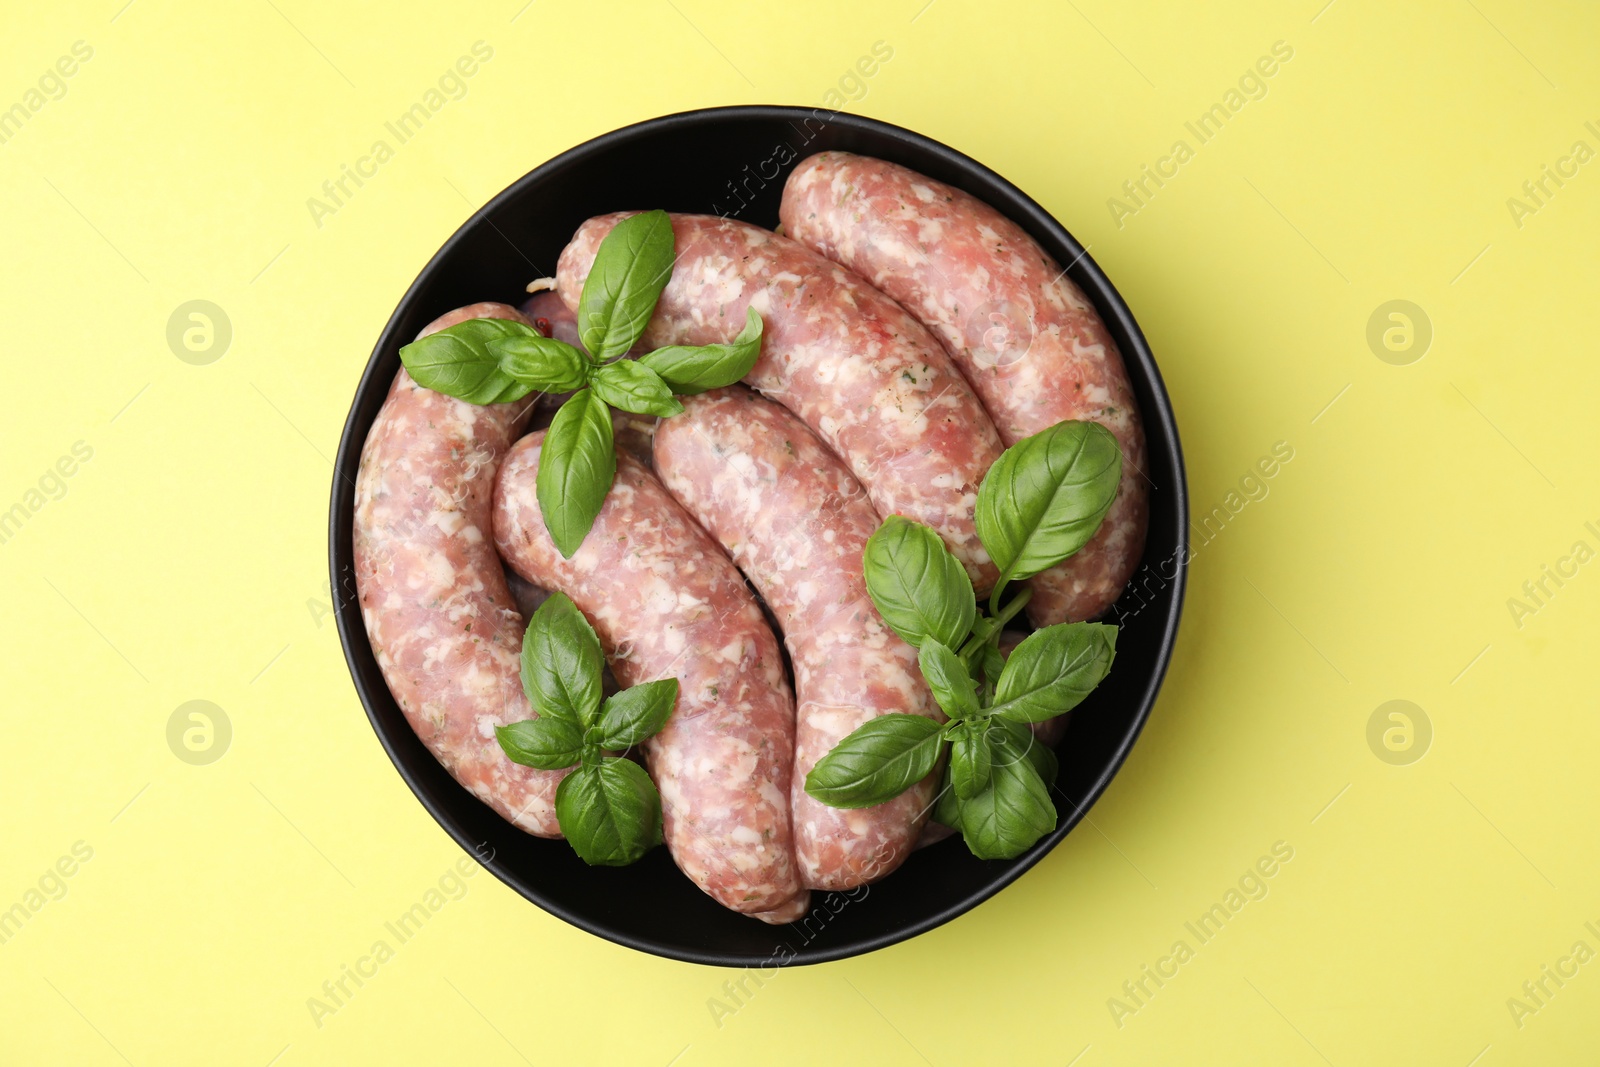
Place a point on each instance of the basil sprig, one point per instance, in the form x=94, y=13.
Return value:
x=1045, y=497
x=494, y=361
x=1041, y=502
x=608, y=808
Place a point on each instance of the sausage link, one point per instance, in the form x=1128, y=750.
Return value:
x=864, y=375
x=667, y=603
x=796, y=521
x=1025, y=336
x=433, y=593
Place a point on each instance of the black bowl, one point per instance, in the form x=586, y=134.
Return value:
x=733, y=161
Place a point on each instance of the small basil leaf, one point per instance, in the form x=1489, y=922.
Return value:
x=577, y=464
x=947, y=676
x=561, y=663
x=971, y=758
x=610, y=811
x=631, y=267
x=631, y=386
x=542, y=363
x=635, y=714
x=459, y=362
x=880, y=760
x=1006, y=817
x=547, y=743
x=694, y=369
x=917, y=585
x=1053, y=669
x=1046, y=495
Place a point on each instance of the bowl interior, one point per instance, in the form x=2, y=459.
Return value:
x=733, y=161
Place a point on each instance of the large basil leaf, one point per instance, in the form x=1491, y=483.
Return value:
x=577, y=464
x=947, y=676
x=1046, y=496
x=694, y=369
x=631, y=716
x=632, y=386
x=631, y=267
x=547, y=743
x=610, y=812
x=878, y=761
x=917, y=585
x=561, y=663
x=1053, y=669
x=542, y=363
x=459, y=361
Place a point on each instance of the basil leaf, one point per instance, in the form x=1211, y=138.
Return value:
x=632, y=715
x=1053, y=669
x=1046, y=495
x=561, y=663
x=917, y=585
x=947, y=676
x=694, y=369
x=880, y=759
x=459, y=362
x=947, y=806
x=610, y=812
x=1006, y=817
x=547, y=743
x=631, y=267
x=542, y=363
x=1014, y=740
x=631, y=386
x=577, y=464
x=971, y=757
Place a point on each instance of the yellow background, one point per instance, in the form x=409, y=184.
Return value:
x=187, y=558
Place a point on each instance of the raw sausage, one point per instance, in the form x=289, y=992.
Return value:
x=1025, y=336
x=433, y=593
x=666, y=602
x=796, y=521
x=864, y=375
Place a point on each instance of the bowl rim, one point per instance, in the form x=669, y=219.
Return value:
x=1086, y=273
